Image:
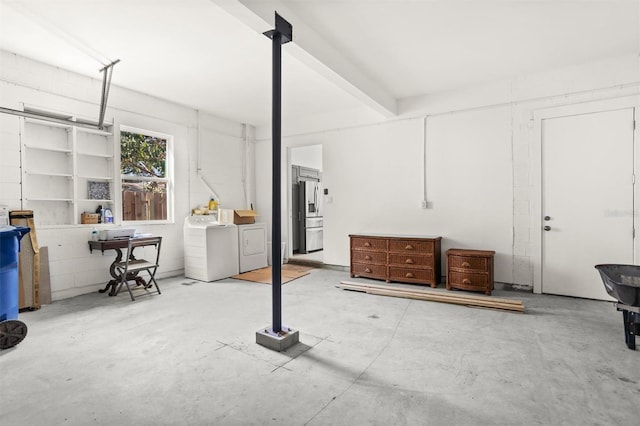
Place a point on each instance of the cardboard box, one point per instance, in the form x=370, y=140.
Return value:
x=28, y=261
x=238, y=217
x=89, y=218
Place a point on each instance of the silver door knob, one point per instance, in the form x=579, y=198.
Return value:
x=547, y=228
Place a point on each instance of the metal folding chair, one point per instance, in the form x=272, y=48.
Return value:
x=129, y=269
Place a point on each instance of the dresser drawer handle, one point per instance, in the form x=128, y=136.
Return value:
x=466, y=281
x=409, y=261
x=367, y=244
x=367, y=257
x=409, y=275
x=466, y=264
x=409, y=247
x=367, y=270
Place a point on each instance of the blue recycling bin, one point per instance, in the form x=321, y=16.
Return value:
x=12, y=331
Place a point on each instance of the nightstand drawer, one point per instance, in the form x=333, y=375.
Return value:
x=469, y=263
x=369, y=257
x=469, y=281
x=416, y=246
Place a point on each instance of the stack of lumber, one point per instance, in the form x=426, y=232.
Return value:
x=456, y=298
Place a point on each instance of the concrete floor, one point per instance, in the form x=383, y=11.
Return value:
x=316, y=256
x=188, y=357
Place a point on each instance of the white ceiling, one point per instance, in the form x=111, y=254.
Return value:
x=211, y=55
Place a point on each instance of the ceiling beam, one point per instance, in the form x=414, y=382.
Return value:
x=311, y=49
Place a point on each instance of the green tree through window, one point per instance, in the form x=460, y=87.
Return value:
x=143, y=168
x=142, y=155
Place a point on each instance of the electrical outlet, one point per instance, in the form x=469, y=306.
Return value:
x=425, y=204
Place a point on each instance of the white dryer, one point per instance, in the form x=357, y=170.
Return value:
x=210, y=249
x=252, y=246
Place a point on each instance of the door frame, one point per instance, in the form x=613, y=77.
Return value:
x=537, y=171
x=289, y=182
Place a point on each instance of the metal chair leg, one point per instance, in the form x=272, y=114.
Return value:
x=126, y=284
x=153, y=278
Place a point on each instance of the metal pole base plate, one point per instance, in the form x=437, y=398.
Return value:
x=277, y=341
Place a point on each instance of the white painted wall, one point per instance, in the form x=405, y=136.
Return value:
x=224, y=160
x=480, y=176
x=470, y=183
x=308, y=156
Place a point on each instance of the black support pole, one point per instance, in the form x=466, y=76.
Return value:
x=276, y=229
x=283, y=33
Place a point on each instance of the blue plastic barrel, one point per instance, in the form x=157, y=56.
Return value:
x=10, y=237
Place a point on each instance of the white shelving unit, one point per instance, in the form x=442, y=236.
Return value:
x=60, y=163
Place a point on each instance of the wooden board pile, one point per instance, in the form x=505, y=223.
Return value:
x=456, y=298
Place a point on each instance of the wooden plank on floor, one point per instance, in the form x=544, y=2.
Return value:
x=437, y=294
x=421, y=291
x=451, y=300
x=440, y=298
x=458, y=299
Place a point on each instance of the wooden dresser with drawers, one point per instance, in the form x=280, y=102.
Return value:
x=470, y=270
x=400, y=258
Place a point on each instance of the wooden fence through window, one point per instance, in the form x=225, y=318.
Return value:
x=144, y=205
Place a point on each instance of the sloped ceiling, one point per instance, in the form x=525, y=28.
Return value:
x=346, y=54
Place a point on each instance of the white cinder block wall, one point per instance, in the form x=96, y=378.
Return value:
x=479, y=164
x=206, y=149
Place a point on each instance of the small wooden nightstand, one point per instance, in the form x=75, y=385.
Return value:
x=470, y=270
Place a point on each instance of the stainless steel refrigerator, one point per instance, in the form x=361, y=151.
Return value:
x=310, y=233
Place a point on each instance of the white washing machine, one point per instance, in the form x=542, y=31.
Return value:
x=210, y=249
x=252, y=250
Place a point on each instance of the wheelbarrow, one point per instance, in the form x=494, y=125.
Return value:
x=623, y=283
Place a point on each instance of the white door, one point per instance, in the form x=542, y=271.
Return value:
x=587, y=200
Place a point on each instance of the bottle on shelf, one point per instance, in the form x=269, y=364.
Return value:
x=100, y=211
x=213, y=205
x=94, y=234
x=108, y=216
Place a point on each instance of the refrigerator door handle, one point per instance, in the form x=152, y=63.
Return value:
x=315, y=199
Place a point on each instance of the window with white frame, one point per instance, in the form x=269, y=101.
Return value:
x=145, y=172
